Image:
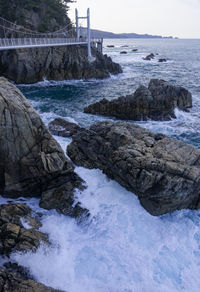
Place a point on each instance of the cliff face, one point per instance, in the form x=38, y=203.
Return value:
x=58, y=63
x=53, y=63
x=39, y=15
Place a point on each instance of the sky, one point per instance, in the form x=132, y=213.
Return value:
x=177, y=18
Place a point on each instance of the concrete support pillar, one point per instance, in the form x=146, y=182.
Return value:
x=77, y=25
x=89, y=34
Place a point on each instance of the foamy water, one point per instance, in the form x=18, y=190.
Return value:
x=120, y=247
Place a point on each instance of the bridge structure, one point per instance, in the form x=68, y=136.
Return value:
x=15, y=36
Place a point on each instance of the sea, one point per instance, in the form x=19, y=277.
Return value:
x=120, y=247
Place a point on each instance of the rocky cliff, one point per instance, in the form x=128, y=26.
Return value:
x=52, y=63
x=32, y=163
x=40, y=15
x=58, y=63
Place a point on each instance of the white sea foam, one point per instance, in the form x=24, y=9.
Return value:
x=120, y=248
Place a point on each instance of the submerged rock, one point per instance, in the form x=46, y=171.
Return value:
x=31, y=160
x=58, y=63
x=61, y=127
x=162, y=60
x=164, y=173
x=157, y=102
x=123, y=52
x=13, y=235
x=149, y=57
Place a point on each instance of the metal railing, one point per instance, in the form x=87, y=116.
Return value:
x=12, y=43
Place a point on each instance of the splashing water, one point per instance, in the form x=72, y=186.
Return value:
x=120, y=247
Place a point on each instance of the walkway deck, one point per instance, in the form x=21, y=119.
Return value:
x=21, y=43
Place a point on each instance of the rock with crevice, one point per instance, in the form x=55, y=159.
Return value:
x=13, y=235
x=157, y=102
x=56, y=63
x=164, y=173
x=31, y=160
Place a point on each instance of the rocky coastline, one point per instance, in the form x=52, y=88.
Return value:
x=32, y=164
x=157, y=102
x=163, y=172
x=57, y=63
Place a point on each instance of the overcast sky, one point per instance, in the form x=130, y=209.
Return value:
x=179, y=18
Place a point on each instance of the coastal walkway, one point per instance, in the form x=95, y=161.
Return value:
x=20, y=43
x=13, y=36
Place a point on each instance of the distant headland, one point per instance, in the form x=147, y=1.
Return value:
x=109, y=35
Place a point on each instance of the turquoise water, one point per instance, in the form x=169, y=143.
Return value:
x=121, y=248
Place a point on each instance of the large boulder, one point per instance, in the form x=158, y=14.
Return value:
x=164, y=173
x=157, y=102
x=31, y=160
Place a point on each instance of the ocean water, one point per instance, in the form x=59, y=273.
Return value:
x=120, y=248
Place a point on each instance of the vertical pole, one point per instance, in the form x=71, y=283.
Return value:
x=88, y=34
x=77, y=25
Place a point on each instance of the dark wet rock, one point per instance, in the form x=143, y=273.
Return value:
x=110, y=46
x=58, y=63
x=123, y=52
x=125, y=46
x=62, y=200
x=161, y=60
x=149, y=57
x=31, y=160
x=13, y=236
x=12, y=282
x=164, y=173
x=134, y=50
x=157, y=102
x=61, y=127
x=19, y=271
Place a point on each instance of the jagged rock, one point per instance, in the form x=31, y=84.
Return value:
x=157, y=102
x=62, y=199
x=61, y=127
x=13, y=236
x=164, y=173
x=57, y=63
x=123, y=52
x=12, y=282
x=31, y=161
x=149, y=57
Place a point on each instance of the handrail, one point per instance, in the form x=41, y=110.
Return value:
x=9, y=43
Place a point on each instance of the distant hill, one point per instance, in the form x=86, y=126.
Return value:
x=110, y=35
